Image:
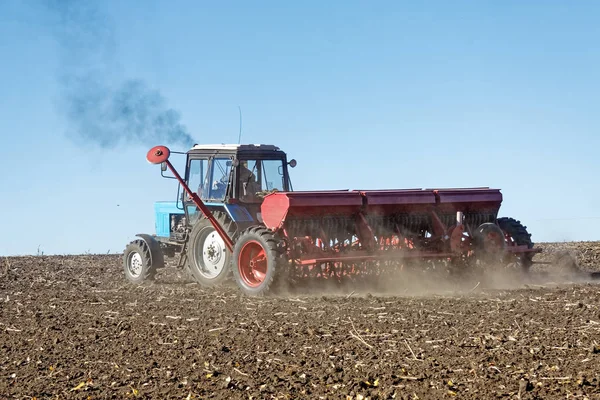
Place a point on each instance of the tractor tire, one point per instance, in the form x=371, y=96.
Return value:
x=256, y=261
x=208, y=259
x=518, y=233
x=137, y=262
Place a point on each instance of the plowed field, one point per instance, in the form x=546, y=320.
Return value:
x=71, y=327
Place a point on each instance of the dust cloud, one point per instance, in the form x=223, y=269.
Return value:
x=431, y=279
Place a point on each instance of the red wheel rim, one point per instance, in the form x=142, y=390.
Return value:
x=252, y=264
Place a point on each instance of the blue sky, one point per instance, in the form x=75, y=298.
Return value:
x=363, y=94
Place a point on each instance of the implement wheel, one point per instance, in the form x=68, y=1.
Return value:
x=517, y=233
x=209, y=260
x=137, y=263
x=255, y=261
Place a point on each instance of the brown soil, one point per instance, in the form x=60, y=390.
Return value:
x=71, y=327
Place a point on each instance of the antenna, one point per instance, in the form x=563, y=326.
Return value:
x=240, y=135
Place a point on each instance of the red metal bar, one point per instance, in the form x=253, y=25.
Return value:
x=363, y=256
x=366, y=235
x=439, y=229
x=196, y=199
x=320, y=260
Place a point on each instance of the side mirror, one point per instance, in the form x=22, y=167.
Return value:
x=163, y=166
x=292, y=163
x=235, y=162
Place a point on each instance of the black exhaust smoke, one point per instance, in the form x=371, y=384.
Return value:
x=102, y=107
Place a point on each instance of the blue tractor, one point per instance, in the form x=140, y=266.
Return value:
x=230, y=181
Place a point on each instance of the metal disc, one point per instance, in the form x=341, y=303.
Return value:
x=158, y=154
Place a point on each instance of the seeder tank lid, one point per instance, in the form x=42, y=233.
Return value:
x=241, y=147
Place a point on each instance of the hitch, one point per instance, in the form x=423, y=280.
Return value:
x=160, y=155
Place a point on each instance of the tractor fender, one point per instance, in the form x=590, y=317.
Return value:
x=157, y=258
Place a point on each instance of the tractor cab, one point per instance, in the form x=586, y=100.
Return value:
x=237, y=173
x=235, y=178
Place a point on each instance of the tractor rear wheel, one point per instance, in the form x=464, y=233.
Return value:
x=517, y=232
x=209, y=261
x=137, y=262
x=256, y=261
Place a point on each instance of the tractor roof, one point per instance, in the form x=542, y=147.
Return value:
x=234, y=147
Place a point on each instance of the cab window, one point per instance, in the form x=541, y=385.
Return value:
x=258, y=177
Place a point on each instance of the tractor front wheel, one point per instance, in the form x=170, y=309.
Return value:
x=137, y=262
x=255, y=261
x=208, y=258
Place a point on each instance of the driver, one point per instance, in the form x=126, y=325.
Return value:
x=248, y=182
x=246, y=176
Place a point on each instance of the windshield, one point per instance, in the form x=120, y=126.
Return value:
x=258, y=177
